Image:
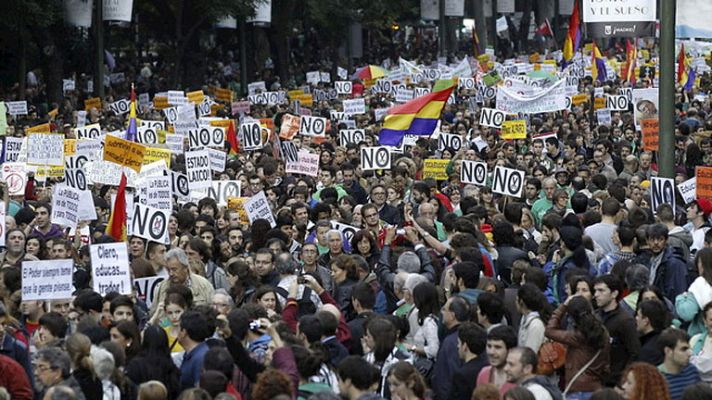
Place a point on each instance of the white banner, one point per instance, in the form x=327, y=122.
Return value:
x=549, y=99
x=78, y=12
x=47, y=280
x=118, y=10
x=92, y=131
x=206, y=136
x=16, y=107
x=110, y=268
x=617, y=11
x=355, y=106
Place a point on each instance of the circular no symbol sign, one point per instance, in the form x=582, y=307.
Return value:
x=480, y=172
x=383, y=157
x=158, y=225
x=514, y=184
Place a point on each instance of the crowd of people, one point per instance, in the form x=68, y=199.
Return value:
x=578, y=289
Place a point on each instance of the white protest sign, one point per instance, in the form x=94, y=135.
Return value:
x=147, y=135
x=150, y=223
x=68, y=85
x=251, y=137
x=171, y=114
x=473, y=172
x=179, y=185
x=256, y=87
x=375, y=158
x=177, y=97
x=16, y=107
x=147, y=288
x=688, y=190
x=617, y=103
x=89, y=149
x=492, y=117
x=186, y=112
x=47, y=280
x=206, y=136
x=157, y=125
x=197, y=165
x=87, y=210
x=221, y=190
x=84, y=235
x=110, y=268
x=306, y=164
x=218, y=158
x=108, y=173
x=175, y=143
x=343, y=87
x=662, y=191
x=347, y=231
x=603, y=116
x=155, y=168
x=404, y=95
x=156, y=192
x=467, y=83
x=92, y=131
x=13, y=146
x=65, y=206
x=508, y=181
x=351, y=136
x=548, y=99
x=15, y=177
x=74, y=174
x=450, y=140
x=257, y=207
x=120, y=107
x=45, y=149
x=313, y=77
x=380, y=113
x=288, y=151
x=205, y=107
x=312, y=126
x=355, y=106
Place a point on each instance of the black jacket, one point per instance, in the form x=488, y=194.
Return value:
x=649, y=351
x=464, y=379
x=625, y=345
x=356, y=327
x=390, y=214
x=507, y=256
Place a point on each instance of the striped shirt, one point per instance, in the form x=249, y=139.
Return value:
x=678, y=382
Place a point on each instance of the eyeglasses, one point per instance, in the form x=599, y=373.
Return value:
x=378, y=193
x=371, y=215
x=43, y=368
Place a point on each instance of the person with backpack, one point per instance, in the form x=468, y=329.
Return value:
x=689, y=304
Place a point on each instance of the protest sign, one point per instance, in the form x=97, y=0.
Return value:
x=92, y=131
x=617, y=102
x=45, y=149
x=492, y=117
x=47, y=280
x=12, y=148
x=508, y=181
x=645, y=105
x=218, y=158
x=548, y=99
x=94, y=102
x=124, y=152
x=110, y=268
x=449, y=140
x=153, y=154
x=306, y=164
x=704, y=182
x=290, y=126
x=157, y=125
x=147, y=135
x=343, y=87
x=257, y=207
x=197, y=165
x=467, y=84
x=65, y=206
x=147, y=288
x=651, y=134
x=14, y=175
x=662, y=192
x=88, y=149
x=256, y=87
x=473, y=172
x=351, y=136
x=688, y=190
x=404, y=95
x=603, y=116
x=16, y=107
x=288, y=151
x=179, y=185
x=436, y=169
x=375, y=158
x=175, y=143
x=515, y=129
x=251, y=137
x=150, y=223
x=220, y=191
x=609, y=18
x=156, y=192
x=120, y=107
x=241, y=108
x=355, y=106
x=74, y=174
x=599, y=103
x=312, y=126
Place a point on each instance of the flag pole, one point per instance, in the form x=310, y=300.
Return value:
x=666, y=163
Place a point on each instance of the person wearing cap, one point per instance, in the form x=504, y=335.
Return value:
x=698, y=215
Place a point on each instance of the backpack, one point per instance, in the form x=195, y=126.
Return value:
x=552, y=356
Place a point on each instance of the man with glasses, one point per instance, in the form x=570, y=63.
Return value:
x=387, y=212
x=372, y=221
x=308, y=257
x=256, y=184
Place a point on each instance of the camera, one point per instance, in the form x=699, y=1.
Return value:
x=255, y=325
x=301, y=280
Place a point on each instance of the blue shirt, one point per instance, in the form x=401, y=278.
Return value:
x=678, y=382
x=192, y=366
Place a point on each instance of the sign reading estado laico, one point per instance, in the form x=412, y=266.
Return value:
x=619, y=18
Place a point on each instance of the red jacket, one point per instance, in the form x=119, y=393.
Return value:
x=14, y=378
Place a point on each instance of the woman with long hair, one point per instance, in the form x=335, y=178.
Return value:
x=405, y=382
x=126, y=334
x=309, y=364
x=535, y=310
x=571, y=255
x=37, y=247
x=344, y=271
x=643, y=381
x=154, y=362
x=587, y=357
x=364, y=244
x=266, y=296
x=79, y=349
x=242, y=281
x=383, y=353
x=426, y=341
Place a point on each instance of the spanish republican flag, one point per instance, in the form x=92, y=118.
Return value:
x=116, y=228
x=417, y=117
x=573, y=37
x=598, y=64
x=131, y=131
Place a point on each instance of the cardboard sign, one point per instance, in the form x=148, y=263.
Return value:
x=354, y=107
x=343, y=87
x=220, y=191
x=449, y=140
x=179, y=185
x=15, y=176
x=13, y=146
x=94, y=102
x=147, y=288
x=110, y=268
x=373, y=158
x=291, y=125
x=150, y=223
x=153, y=154
x=65, y=206
x=256, y=87
x=257, y=207
x=42, y=128
x=599, y=103
x=651, y=134
x=92, y=131
x=604, y=116
x=312, y=126
x=704, y=182
x=617, y=103
x=47, y=280
x=436, y=169
x=241, y=108
x=218, y=158
x=288, y=151
x=404, y=95
x=120, y=107
x=147, y=135
x=474, y=172
x=516, y=129
x=662, y=192
x=16, y=107
x=351, y=136
x=492, y=117
x=74, y=174
x=175, y=143
x=45, y=149
x=687, y=190
x=508, y=181
x=156, y=192
x=197, y=164
x=124, y=152
x=306, y=164
x=251, y=137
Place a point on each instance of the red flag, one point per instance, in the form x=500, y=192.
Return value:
x=545, y=29
x=116, y=228
x=232, y=139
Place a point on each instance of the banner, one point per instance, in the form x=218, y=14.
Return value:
x=15, y=177
x=118, y=10
x=693, y=19
x=704, y=182
x=78, y=12
x=45, y=149
x=92, y=131
x=47, y=280
x=263, y=14
x=436, y=169
x=662, y=191
x=613, y=18
x=110, y=268
x=549, y=99
x=16, y=107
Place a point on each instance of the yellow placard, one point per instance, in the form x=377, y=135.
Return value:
x=124, y=152
x=307, y=100
x=516, y=129
x=44, y=128
x=70, y=147
x=579, y=99
x=599, y=103
x=292, y=94
x=49, y=171
x=94, y=102
x=53, y=113
x=221, y=123
x=162, y=135
x=196, y=96
x=160, y=102
x=238, y=204
x=436, y=169
x=222, y=94
x=550, y=62
x=153, y=154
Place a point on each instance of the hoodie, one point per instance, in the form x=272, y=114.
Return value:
x=681, y=240
x=544, y=383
